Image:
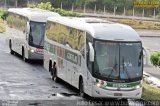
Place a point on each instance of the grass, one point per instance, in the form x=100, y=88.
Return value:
x=150, y=92
x=2, y=26
x=138, y=24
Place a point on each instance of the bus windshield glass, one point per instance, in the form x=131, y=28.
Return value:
x=36, y=36
x=118, y=61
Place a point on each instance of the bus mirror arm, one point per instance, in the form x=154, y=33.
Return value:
x=91, y=52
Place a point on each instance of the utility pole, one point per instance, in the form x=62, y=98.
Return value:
x=133, y=11
x=124, y=11
x=61, y=6
x=72, y=7
x=104, y=10
x=84, y=8
x=154, y=13
x=143, y=13
x=5, y=4
x=28, y=3
x=16, y=3
x=95, y=8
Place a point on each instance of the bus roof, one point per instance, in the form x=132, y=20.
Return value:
x=33, y=14
x=100, y=29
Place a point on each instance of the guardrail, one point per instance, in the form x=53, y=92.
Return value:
x=119, y=16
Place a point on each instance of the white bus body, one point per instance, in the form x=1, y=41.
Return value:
x=26, y=27
x=102, y=59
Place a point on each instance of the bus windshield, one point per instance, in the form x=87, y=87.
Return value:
x=36, y=36
x=118, y=61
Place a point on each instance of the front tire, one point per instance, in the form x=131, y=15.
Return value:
x=23, y=55
x=10, y=47
x=54, y=75
x=81, y=89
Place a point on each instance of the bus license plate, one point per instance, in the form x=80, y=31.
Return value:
x=117, y=94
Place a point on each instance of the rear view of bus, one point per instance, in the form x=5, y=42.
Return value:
x=26, y=28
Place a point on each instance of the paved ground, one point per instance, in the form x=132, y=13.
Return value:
x=27, y=81
x=154, y=71
x=148, y=33
x=151, y=43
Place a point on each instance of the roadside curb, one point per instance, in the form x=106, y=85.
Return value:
x=151, y=36
x=151, y=80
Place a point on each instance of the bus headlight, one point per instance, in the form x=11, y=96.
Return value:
x=32, y=50
x=100, y=83
x=138, y=86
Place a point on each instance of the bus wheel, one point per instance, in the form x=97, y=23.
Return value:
x=23, y=55
x=54, y=74
x=81, y=89
x=10, y=47
x=50, y=67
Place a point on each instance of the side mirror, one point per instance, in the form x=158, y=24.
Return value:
x=28, y=28
x=91, y=52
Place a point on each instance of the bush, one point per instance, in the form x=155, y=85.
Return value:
x=155, y=59
x=3, y=14
x=48, y=6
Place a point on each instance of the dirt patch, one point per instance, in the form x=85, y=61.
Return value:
x=137, y=24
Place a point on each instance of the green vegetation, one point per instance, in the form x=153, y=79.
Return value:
x=48, y=6
x=138, y=24
x=2, y=26
x=150, y=92
x=109, y=6
x=3, y=14
x=90, y=5
x=17, y=22
x=155, y=59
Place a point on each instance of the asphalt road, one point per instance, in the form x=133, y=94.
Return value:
x=151, y=43
x=28, y=84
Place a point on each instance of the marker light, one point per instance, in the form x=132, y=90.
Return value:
x=138, y=86
x=32, y=50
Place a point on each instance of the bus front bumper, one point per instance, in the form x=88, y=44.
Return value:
x=35, y=56
x=104, y=93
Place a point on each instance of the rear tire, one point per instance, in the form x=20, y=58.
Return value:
x=81, y=89
x=10, y=47
x=50, y=67
x=54, y=75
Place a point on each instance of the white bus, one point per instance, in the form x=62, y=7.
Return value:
x=100, y=58
x=26, y=27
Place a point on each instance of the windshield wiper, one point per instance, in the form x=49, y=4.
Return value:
x=125, y=69
x=114, y=67
x=139, y=59
x=42, y=37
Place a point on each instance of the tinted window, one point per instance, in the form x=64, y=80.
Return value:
x=17, y=22
x=65, y=35
x=36, y=36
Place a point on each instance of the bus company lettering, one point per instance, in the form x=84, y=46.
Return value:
x=119, y=85
x=72, y=57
